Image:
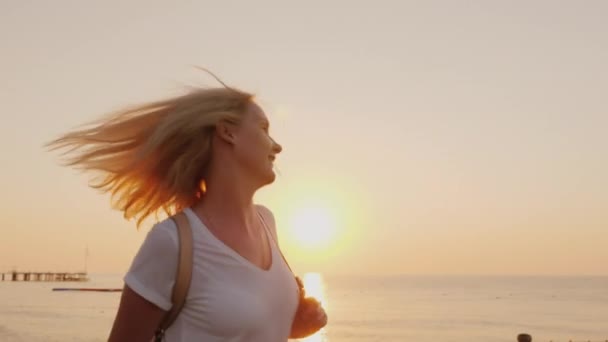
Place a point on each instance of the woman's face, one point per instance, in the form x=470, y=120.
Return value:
x=255, y=149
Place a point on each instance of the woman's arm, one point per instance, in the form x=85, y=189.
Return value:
x=146, y=296
x=136, y=319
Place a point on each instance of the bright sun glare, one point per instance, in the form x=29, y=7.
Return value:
x=313, y=226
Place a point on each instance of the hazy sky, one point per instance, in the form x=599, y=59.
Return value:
x=447, y=137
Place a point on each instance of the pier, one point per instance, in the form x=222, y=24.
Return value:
x=44, y=276
x=528, y=338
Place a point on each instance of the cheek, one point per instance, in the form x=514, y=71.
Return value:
x=252, y=146
x=257, y=140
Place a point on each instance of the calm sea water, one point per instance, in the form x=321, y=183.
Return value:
x=420, y=309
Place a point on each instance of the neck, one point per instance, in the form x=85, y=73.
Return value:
x=228, y=200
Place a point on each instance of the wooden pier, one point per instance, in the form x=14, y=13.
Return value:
x=44, y=276
x=528, y=338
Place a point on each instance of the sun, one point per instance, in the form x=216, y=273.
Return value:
x=313, y=226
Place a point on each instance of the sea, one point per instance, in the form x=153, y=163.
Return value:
x=360, y=308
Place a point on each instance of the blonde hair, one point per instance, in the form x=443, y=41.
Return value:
x=154, y=156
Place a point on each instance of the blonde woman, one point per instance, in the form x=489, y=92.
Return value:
x=205, y=154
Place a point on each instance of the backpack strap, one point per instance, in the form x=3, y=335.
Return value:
x=299, y=281
x=183, y=275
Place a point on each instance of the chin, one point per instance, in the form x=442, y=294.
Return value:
x=269, y=178
x=272, y=177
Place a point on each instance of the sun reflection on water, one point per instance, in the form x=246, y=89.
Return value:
x=315, y=287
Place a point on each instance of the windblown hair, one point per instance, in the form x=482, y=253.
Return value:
x=153, y=157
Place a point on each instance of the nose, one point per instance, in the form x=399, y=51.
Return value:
x=276, y=147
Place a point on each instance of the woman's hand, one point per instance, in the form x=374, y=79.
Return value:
x=309, y=318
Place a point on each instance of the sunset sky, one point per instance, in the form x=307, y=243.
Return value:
x=420, y=137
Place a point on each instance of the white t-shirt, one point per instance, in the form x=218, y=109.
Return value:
x=230, y=299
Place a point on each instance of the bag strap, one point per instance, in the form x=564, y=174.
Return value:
x=298, y=280
x=183, y=275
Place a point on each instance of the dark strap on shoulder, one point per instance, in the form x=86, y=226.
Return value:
x=183, y=275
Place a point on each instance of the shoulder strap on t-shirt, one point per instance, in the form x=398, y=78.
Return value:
x=183, y=275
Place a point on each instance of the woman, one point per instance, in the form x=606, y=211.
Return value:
x=205, y=154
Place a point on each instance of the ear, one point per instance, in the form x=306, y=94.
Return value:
x=226, y=131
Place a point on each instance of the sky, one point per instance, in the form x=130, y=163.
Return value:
x=439, y=137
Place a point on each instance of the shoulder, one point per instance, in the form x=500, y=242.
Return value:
x=265, y=212
x=268, y=217
x=162, y=237
x=153, y=270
